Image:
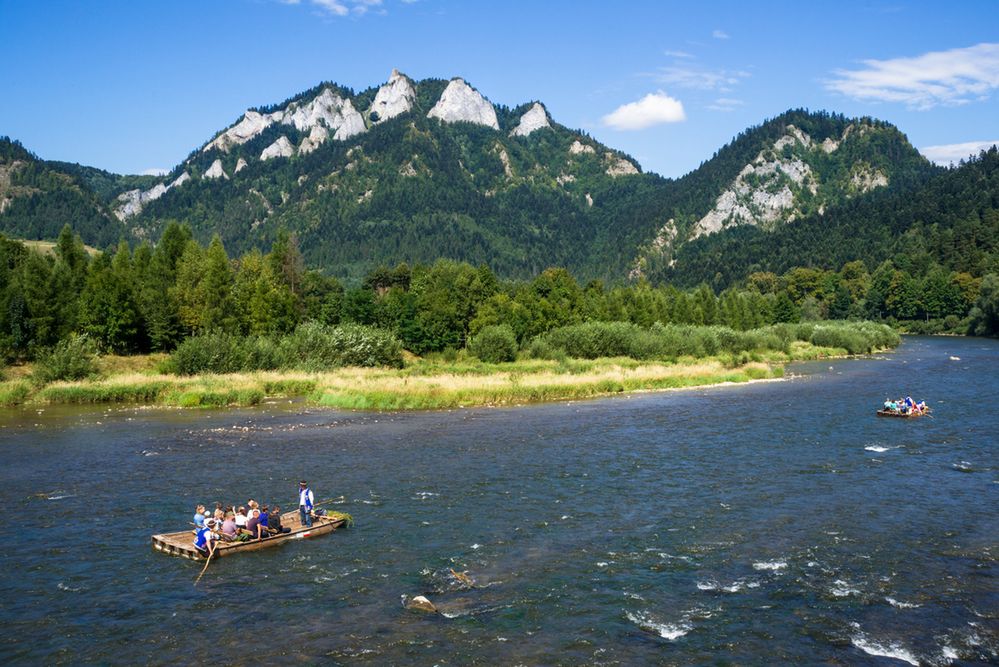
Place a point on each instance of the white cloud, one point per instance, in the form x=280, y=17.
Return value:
x=340, y=7
x=719, y=34
x=954, y=77
x=725, y=104
x=653, y=109
x=952, y=153
x=155, y=171
x=699, y=78
x=678, y=54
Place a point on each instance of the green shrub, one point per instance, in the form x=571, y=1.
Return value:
x=542, y=349
x=315, y=346
x=495, y=344
x=311, y=347
x=591, y=340
x=262, y=354
x=855, y=337
x=14, y=393
x=73, y=358
x=215, y=352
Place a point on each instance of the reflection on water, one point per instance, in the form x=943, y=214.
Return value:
x=764, y=523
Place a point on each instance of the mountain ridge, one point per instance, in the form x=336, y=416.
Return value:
x=472, y=182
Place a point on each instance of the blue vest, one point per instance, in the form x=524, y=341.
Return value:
x=201, y=539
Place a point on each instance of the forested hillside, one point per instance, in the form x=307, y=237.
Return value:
x=950, y=221
x=37, y=198
x=417, y=171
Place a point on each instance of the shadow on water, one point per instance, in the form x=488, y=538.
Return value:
x=767, y=522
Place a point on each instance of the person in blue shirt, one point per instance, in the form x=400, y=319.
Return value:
x=199, y=517
x=265, y=520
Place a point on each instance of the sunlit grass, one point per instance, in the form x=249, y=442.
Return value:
x=433, y=383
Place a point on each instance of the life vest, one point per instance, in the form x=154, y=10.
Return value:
x=201, y=539
x=305, y=498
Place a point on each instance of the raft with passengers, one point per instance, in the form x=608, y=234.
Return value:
x=248, y=528
x=905, y=408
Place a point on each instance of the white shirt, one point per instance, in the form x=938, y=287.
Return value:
x=240, y=520
x=303, y=494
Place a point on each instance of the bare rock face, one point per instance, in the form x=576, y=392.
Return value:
x=326, y=109
x=280, y=148
x=579, y=148
x=461, y=103
x=618, y=166
x=317, y=136
x=864, y=178
x=240, y=166
x=216, y=170
x=761, y=194
x=133, y=201
x=252, y=124
x=535, y=118
x=394, y=98
x=660, y=245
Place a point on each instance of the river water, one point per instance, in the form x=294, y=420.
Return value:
x=755, y=524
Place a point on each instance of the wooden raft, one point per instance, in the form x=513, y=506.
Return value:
x=181, y=543
x=891, y=413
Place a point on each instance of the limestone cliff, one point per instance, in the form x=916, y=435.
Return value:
x=535, y=118
x=461, y=103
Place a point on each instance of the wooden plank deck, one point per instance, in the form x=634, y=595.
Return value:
x=181, y=543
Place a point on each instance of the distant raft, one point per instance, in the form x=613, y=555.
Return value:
x=903, y=415
x=181, y=543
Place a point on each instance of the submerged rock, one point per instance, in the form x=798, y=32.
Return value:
x=418, y=603
x=447, y=580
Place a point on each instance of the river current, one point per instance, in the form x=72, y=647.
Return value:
x=777, y=522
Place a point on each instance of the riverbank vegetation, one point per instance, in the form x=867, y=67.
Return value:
x=575, y=362
x=218, y=331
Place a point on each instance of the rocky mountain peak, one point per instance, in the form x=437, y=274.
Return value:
x=394, y=98
x=252, y=124
x=216, y=170
x=329, y=109
x=280, y=148
x=461, y=103
x=535, y=118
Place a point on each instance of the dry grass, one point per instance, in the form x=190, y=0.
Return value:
x=422, y=384
x=416, y=387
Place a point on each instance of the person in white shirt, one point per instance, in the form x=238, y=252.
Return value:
x=305, y=503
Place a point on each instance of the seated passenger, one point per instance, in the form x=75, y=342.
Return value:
x=241, y=517
x=253, y=527
x=265, y=520
x=199, y=517
x=274, y=522
x=229, y=529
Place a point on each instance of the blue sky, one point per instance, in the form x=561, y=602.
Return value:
x=130, y=86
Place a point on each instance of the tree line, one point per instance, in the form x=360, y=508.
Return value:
x=152, y=297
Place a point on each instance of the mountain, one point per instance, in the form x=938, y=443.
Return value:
x=948, y=219
x=417, y=170
x=407, y=171
x=799, y=165
x=38, y=197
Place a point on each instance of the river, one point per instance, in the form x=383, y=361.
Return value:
x=754, y=524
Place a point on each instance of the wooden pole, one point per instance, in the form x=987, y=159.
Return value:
x=205, y=568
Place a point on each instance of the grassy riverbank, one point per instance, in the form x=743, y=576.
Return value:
x=420, y=384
